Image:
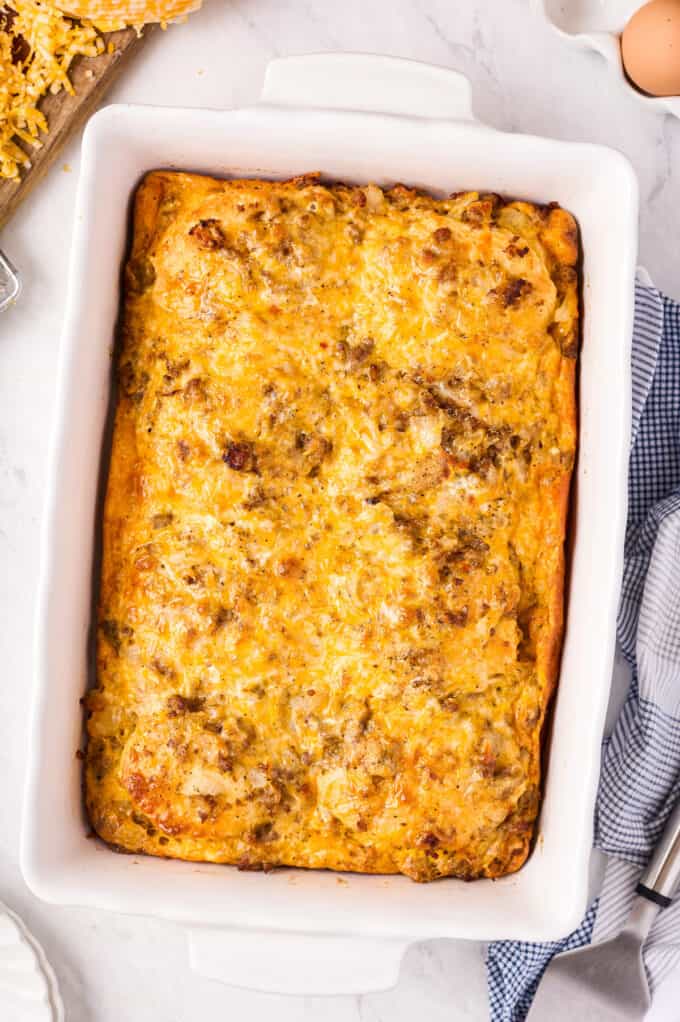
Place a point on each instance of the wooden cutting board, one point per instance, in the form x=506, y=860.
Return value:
x=91, y=77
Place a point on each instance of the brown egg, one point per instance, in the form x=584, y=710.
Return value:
x=650, y=47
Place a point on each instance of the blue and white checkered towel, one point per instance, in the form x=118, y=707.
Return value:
x=640, y=778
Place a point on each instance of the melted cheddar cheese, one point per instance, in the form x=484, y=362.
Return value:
x=332, y=583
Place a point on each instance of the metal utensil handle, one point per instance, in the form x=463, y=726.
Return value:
x=661, y=878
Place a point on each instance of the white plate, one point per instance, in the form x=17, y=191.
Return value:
x=28, y=986
x=597, y=25
x=373, y=119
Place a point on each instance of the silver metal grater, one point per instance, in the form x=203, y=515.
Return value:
x=10, y=282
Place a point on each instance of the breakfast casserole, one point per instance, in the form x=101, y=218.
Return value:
x=331, y=598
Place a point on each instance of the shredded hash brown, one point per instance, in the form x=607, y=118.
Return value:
x=332, y=586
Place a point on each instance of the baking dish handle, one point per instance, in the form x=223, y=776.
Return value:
x=369, y=82
x=296, y=963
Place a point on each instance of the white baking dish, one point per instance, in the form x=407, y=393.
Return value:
x=356, y=118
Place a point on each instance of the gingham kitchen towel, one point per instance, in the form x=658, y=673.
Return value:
x=640, y=778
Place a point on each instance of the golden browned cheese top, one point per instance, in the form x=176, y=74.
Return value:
x=331, y=599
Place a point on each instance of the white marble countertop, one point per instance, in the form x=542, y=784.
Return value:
x=524, y=79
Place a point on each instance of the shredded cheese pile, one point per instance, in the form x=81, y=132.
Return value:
x=110, y=15
x=37, y=45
